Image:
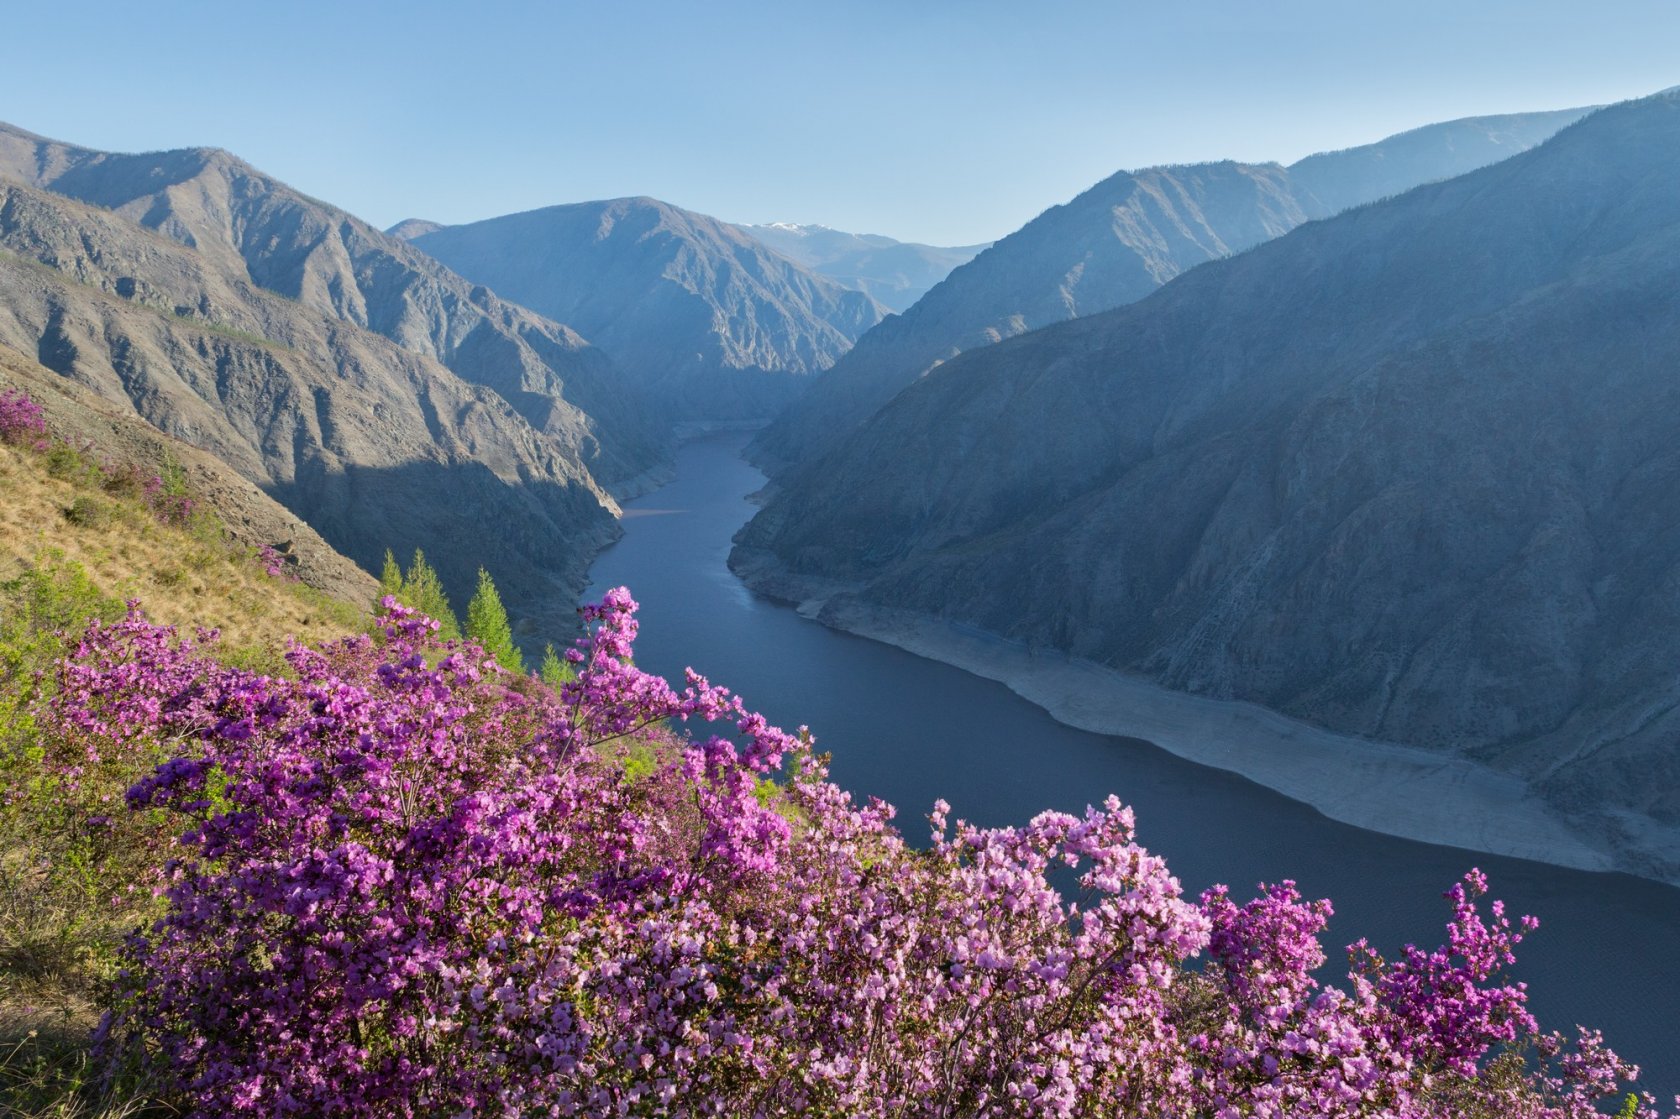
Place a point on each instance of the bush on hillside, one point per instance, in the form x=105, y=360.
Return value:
x=21, y=419
x=407, y=883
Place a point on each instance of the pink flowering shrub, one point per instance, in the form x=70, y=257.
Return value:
x=165, y=495
x=275, y=565
x=409, y=884
x=168, y=502
x=21, y=419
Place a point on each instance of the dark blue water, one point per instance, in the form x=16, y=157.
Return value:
x=912, y=730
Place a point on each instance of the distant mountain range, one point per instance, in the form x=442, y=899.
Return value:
x=713, y=324
x=895, y=273
x=1118, y=242
x=1408, y=473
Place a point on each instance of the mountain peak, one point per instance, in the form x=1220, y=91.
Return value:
x=719, y=324
x=410, y=228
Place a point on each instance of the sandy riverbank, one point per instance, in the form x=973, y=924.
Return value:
x=1384, y=787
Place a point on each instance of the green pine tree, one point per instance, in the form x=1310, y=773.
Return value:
x=390, y=577
x=422, y=590
x=556, y=670
x=487, y=624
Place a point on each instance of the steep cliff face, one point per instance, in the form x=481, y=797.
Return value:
x=712, y=322
x=1118, y=242
x=373, y=444
x=1115, y=243
x=244, y=223
x=1409, y=473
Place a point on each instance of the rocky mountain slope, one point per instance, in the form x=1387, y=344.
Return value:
x=894, y=273
x=372, y=443
x=117, y=437
x=1408, y=473
x=246, y=224
x=1118, y=242
x=712, y=322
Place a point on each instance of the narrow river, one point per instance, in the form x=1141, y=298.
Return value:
x=911, y=730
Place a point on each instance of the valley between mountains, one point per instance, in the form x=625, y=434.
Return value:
x=1377, y=442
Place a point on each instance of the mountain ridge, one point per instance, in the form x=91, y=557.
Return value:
x=1354, y=475
x=1116, y=242
x=332, y=262
x=372, y=444
x=896, y=273
x=711, y=322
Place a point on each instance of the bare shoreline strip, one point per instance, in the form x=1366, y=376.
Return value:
x=1383, y=787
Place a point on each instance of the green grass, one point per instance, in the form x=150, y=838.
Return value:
x=59, y=928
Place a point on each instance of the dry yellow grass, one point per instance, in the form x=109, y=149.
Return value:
x=55, y=512
x=183, y=577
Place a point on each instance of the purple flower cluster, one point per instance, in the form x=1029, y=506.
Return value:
x=23, y=422
x=410, y=884
x=168, y=506
x=21, y=419
x=275, y=565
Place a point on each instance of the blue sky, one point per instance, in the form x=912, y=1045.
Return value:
x=931, y=120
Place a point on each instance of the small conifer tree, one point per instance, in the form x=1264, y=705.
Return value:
x=555, y=671
x=422, y=590
x=390, y=577
x=487, y=624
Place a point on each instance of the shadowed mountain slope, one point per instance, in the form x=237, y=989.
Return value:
x=246, y=224
x=715, y=324
x=894, y=273
x=1409, y=473
x=373, y=444
x=1116, y=243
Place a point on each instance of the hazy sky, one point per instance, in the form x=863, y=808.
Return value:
x=948, y=121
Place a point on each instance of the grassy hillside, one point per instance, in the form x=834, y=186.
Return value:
x=84, y=526
x=59, y=516
x=113, y=436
